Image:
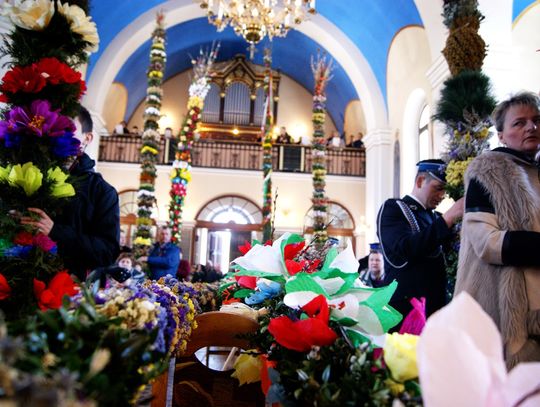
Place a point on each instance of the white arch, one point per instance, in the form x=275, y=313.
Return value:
x=319, y=29
x=409, y=138
x=436, y=31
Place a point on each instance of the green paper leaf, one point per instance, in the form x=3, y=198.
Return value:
x=246, y=292
x=304, y=282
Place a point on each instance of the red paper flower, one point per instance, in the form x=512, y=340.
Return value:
x=291, y=250
x=294, y=267
x=56, y=72
x=22, y=79
x=51, y=297
x=246, y=281
x=23, y=238
x=5, y=289
x=246, y=247
x=301, y=335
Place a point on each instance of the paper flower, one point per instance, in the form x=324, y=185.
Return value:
x=32, y=15
x=265, y=289
x=81, y=24
x=5, y=289
x=400, y=356
x=302, y=334
x=460, y=360
x=44, y=243
x=22, y=79
x=59, y=188
x=51, y=297
x=37, y=120
x=27, y=176
x=247, y=369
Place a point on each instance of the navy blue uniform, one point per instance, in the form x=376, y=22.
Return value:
x=411, y=241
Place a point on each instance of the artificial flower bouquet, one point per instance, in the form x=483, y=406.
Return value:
x=320, y=335
x=112, y=342
x=42, y=89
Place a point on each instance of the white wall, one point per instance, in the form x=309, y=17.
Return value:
x=294, y=192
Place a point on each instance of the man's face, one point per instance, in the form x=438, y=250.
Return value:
x=84, y=138
x=432, y=192
x=375, y=264
x=165, y=235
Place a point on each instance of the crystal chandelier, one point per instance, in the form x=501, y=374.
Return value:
x=255, y=19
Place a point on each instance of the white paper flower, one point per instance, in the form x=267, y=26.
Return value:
x=30, y=14
x=460, y=360
x=81, y=24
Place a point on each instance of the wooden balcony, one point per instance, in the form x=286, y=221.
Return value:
x=238, y=155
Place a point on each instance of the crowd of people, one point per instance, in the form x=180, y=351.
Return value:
x=500, y=234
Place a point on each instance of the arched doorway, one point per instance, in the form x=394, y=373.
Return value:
x=340, y=224
x=222, y=225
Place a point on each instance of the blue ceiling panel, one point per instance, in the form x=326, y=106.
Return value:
x=519, y=6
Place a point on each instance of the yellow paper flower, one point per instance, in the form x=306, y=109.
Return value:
x=247, y=369
x=4, y=173
x=455, y=171
x=81, y=24
x=28, y=177
x=30, y=14
x=149, y=149
x=185, y=174
x=195, y=101
x=60, y=188
x=400, y=356
x=395, y=388
x=142, y=241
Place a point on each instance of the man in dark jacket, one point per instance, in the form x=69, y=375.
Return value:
x=411, y=234
x=164, y=257
x=87, y=230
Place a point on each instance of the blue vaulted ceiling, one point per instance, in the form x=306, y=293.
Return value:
x=370, y=24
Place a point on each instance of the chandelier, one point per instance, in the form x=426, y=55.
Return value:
x=255, y=19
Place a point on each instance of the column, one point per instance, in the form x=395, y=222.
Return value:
x=379, y=170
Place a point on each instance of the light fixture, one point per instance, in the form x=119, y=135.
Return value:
x=255, y=19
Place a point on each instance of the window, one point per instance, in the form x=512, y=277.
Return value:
x=424, y=139
x=340, y=224
x=222, y=225
x=211, y=105
x=237, y=104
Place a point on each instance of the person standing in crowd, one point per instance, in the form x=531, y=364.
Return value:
x=283, y=137
x=412, y=235
x=87, y=230
x=164, y=257
x=373, y=275
x=499, y=264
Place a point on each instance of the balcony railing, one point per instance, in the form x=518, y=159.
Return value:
x=238, y=155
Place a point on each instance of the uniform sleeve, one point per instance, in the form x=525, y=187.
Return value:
x=400, y=243
x=98, y=246
x=489, y=241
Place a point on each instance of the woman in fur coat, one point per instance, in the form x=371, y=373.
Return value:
x=499, y=258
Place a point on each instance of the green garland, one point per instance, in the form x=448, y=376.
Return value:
x=321, y=71
x=181, y=173
x=150, y=140
x=267, y=143
x=465, y=105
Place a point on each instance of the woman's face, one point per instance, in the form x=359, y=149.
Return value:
x=521, y=130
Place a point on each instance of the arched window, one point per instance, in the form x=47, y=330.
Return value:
x=424, y=139
x=222, y=225
x=237, y=102
x=211, y=105
x=340, y=224
x=259, y=107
